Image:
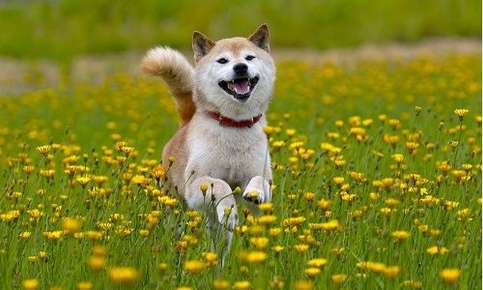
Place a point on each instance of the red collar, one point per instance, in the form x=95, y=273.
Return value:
x=227, y=122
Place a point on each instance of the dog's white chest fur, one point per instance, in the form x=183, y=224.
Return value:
x=231, y=154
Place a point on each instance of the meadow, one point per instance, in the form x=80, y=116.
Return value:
x=377, y=185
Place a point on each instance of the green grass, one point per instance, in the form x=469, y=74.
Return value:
x=323, y=104
x=63, y=29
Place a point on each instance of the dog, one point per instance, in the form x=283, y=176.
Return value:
x=222, y=102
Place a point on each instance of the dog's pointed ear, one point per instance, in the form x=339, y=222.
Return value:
x=261, y=37
x=201, y=45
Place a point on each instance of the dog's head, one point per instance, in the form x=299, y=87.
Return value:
x=234, y=76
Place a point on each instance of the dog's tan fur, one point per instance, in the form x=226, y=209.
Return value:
x=204, y=151
x=178, y=74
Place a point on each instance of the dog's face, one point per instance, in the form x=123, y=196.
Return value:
x=234, y=76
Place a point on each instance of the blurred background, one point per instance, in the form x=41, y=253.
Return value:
x=62, y=29
x=47, y=41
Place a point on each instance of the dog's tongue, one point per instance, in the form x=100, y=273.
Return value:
x=242, y=87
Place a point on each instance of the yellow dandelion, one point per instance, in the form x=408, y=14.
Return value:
x=71, y=225
x=260, y=242
x=96, y=262
x=312, y=271
x=30, y=284
x=318, y=262
x=400, y=235
x=219, y=284
x=303, y=285
x=391, y=271
x=255, y=257
x=450, y=275
x=331, y=225
x=301, y=248
x=461, y=113
x=210, y=258
x=194, y=266
x=123, y=275
x=339, y=278
x=84, y=285
x=242, y=285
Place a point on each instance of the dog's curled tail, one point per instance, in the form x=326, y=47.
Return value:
x=177, y=72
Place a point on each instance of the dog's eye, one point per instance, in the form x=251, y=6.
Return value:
x=249, y=57
x=222, y=60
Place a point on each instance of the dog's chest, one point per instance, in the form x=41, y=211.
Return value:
x=234, y=155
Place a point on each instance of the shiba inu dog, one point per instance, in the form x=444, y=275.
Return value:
x=222, y=102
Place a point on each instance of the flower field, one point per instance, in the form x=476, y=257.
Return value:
x=377, y=185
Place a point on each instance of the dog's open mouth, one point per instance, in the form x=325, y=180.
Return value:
x=240, y=87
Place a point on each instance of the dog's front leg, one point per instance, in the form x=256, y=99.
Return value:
x=257, y=190
x=207, y=193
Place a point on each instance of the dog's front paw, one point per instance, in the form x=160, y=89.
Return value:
x=257, y=191
x=254, y=196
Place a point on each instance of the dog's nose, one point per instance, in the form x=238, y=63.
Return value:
x=240, y=68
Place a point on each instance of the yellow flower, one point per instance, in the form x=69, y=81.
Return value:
x=83, y=180
x=278, y=248
x=373, y=266
x=450, y=275
x=400, y=235
x=10, y=215
x=312, y=271
x=413, y=284
x=324, y=204
x=338, y=180
x=85, y=285
x=398, y=157
x=267, y=219
x=71, y=225
x=30, y=284
x=96, y=262
x=318, y=262
x=159, y=172
x=391, y=271
x=138, y=179
x=44, y=150
x=301, y=248
x=290, y=132
x=25, y=235
x=339, y=278
x=269, y=130
x=204, y=187
x=43, y=255
x=331, y=225
x=194, y=266
x=210, y=258
x=309, y=196
x=254, y=256
x=219, y=284
x=303, y=285
x=163, y=266
x=337, y=251
x=461, y=113
x=437, y=250
x=123, y=275
x=242, y=285
x=260, y=242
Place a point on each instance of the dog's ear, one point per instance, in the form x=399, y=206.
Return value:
x=261, y=37
x=201, y=45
